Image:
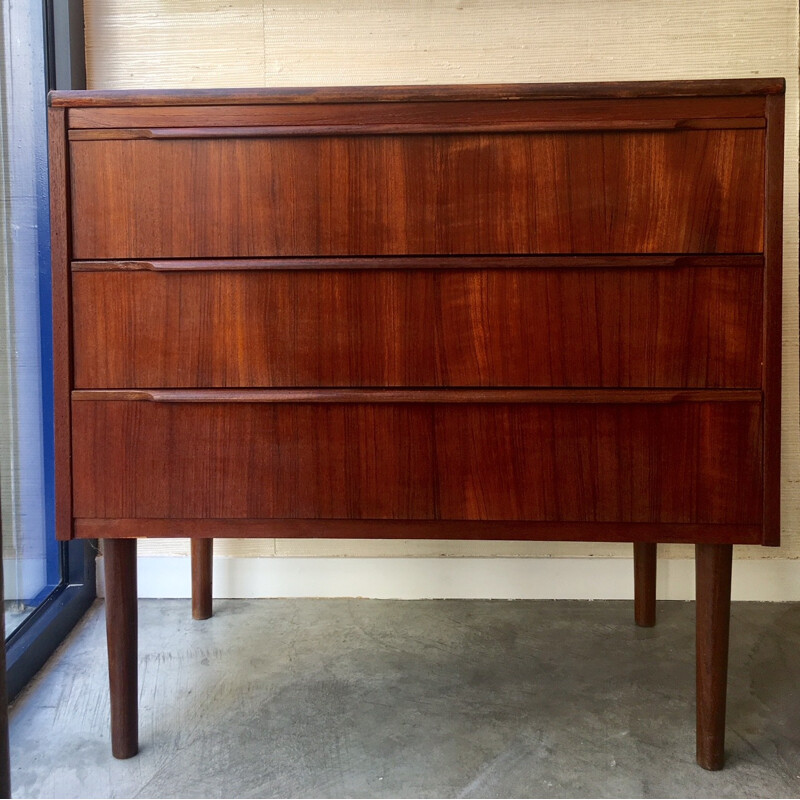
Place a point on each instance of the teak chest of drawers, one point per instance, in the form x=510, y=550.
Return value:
x=476, y=312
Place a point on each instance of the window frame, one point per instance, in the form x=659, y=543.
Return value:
x=32, y=643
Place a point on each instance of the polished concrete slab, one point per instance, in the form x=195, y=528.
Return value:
x=449, y=698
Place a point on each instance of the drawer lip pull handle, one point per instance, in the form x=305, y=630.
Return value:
x=387, y=128
x=436, y=262
x=405, y=396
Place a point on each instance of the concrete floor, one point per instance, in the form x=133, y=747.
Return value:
x=374, y=698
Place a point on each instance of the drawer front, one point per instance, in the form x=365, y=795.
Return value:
x=697, y=191
x=677, y=327
x=685, y=462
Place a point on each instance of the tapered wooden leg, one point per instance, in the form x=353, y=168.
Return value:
x=644, y=583
x=713, y=575
x=202, y=569
x=121, y=630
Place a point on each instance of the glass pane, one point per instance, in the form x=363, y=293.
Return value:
x=30, y=557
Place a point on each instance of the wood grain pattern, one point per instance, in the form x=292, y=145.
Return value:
x=233, y=378
x=417, y=396
x=485, y=262
x=419, y=328
x=466, y=530
x=243, y=460
x=772, y=324
x=477, y=113
x=675, y=463
x=119, y=560
x=446, y=93
x=611, y=192
x=202, y=577
x=713, y=579
x=413, y=129
x=645, y=564
x=60, y=248
x=634, y=463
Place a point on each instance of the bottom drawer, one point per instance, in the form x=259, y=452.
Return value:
x=636, y=462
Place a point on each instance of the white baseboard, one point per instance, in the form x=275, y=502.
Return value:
x=466, y=578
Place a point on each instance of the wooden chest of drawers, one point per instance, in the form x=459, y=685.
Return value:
x=526, y=312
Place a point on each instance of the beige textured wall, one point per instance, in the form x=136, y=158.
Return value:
x=200, y=43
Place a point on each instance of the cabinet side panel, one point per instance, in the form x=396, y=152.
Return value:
x=773, y=330
x=62, y=360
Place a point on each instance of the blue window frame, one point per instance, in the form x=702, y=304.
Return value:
x=47, y=41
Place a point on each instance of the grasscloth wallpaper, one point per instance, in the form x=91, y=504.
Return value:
x=199, y=43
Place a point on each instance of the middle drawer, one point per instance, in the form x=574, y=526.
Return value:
x=676, y=326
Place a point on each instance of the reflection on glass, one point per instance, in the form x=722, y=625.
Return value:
x=30, y=561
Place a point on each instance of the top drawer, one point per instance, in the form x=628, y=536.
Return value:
x=679, y=191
